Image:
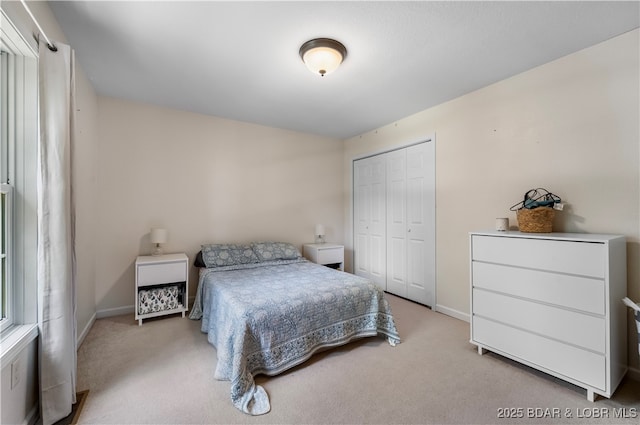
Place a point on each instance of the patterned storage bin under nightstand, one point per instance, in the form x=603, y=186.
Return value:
x=159, y=299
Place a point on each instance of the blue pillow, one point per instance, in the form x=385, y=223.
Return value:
x=269, y=251
x=220, y=255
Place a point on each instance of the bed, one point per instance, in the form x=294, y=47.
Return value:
x=266, y=309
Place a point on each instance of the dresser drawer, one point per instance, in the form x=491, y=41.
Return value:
x=580, y=258
x=576, y=292
x=574, y=328
x=155, y=274
x=572, y=362
x=331, y=255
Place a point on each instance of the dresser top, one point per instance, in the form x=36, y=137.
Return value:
x=584, y=237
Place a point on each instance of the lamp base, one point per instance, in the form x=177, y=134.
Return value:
x=320, y=239
x=158, y=250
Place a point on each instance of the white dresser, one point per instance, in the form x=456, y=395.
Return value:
x=553, y=301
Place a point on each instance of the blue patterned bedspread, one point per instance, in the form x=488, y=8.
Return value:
x=269, y=318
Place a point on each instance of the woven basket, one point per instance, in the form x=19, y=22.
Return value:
x=536, y=220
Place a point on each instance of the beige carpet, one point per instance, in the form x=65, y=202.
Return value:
x=162, y=372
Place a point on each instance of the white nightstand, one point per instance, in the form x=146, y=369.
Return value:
x=324, y=253
x=162, y=283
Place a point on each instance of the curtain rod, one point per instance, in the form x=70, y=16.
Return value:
x=50, y=45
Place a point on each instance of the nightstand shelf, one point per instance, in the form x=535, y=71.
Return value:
x=327, y=254
x=161, y=286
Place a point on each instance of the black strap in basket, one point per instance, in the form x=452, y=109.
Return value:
x=535, y=198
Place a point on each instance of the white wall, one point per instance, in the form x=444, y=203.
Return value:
x=571, y=126
x=206, y=180
x=85, y=181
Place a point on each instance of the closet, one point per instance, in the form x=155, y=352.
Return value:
x=394, y=221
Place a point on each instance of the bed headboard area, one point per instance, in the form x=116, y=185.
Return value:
x=231, y=254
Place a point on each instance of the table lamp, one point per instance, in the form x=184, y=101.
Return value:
x=158, y=237
x=319, y=233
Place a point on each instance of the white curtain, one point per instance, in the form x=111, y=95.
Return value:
x=56, y=224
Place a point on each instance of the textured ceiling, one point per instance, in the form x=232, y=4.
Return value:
x=239, y=60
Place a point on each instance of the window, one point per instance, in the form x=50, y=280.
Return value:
x=18, y=156
x=5, y=256
x=6, y=206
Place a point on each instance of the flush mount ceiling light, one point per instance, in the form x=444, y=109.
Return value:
x=322, y=55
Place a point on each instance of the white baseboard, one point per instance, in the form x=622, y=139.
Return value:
x=85, y=331
x=118, y=311
x=453, y=313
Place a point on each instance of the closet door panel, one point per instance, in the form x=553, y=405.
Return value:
x=417, y=277
x=361, y=216
x=361, y=259
x=369, y=220
x=396, y=260
x=377, y=225
x=363, y=211
x=396, y=223
x=377, y=209
x=420, y=231
x=378, y=266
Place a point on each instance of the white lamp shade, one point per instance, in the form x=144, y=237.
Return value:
x=319, y=230
x=322, y=60
x=158, y=236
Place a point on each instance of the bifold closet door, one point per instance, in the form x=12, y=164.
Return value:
x=394, y=221
x=411, y=223
x=369, y=219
